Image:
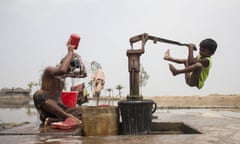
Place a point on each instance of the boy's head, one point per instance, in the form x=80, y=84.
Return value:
x=209, y=44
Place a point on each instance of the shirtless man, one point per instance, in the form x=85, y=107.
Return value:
x=47, y=100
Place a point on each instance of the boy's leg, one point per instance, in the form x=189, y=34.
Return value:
x=195, y=76
x=179, y=61
x=169, y=58
x=191, y=79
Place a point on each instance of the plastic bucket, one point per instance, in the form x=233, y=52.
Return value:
x=69, y=98
x=100, y=120
x=136, y=116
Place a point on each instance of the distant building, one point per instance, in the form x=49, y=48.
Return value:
x=14, y=91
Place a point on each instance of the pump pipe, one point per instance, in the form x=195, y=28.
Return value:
x=144, y=37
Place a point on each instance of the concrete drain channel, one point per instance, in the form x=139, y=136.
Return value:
x=172, y=128
x=160, y=128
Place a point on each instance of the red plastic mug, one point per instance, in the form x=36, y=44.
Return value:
x=74, y=40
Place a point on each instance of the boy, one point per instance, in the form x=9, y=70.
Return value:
x=196, y=69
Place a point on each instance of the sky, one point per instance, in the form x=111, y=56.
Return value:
x=33, y=34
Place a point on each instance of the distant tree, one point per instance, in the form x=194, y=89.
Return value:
x=143, y=77
x=31, y=85
x=109, y=91
x=119, y=88
x=90, y=83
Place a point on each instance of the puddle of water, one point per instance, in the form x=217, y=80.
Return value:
x=25, y=114
x=234, y=114
x=18, y=115
x=28, y=113
x=204, y=112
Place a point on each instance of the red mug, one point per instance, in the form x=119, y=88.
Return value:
x=74, y=40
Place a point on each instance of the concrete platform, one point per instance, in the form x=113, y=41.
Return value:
x=216, y=127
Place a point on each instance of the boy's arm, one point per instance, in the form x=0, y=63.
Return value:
x=191, y=59
x=204, y=62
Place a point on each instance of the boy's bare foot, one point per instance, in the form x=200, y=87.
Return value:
x=167, y=55
x=173, y=69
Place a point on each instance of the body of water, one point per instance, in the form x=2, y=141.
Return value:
x=18, y=115
x=28, y=113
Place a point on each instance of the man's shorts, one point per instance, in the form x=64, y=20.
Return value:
x=39, y=101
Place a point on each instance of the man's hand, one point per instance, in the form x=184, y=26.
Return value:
x=70, y=46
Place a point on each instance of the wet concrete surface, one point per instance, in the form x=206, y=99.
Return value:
x=216, y=127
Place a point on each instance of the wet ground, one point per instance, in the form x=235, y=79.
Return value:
x=216, y=127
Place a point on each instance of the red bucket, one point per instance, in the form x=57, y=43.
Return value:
x=69, y=98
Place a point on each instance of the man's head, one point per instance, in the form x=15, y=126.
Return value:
x=209, y=44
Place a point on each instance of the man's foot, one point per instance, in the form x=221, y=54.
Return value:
x=48, y=121
x=173, y=69
x=167, y=55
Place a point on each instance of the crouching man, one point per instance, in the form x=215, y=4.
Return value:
x=47, y=99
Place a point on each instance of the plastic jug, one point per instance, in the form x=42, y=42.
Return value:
x=74, y=40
